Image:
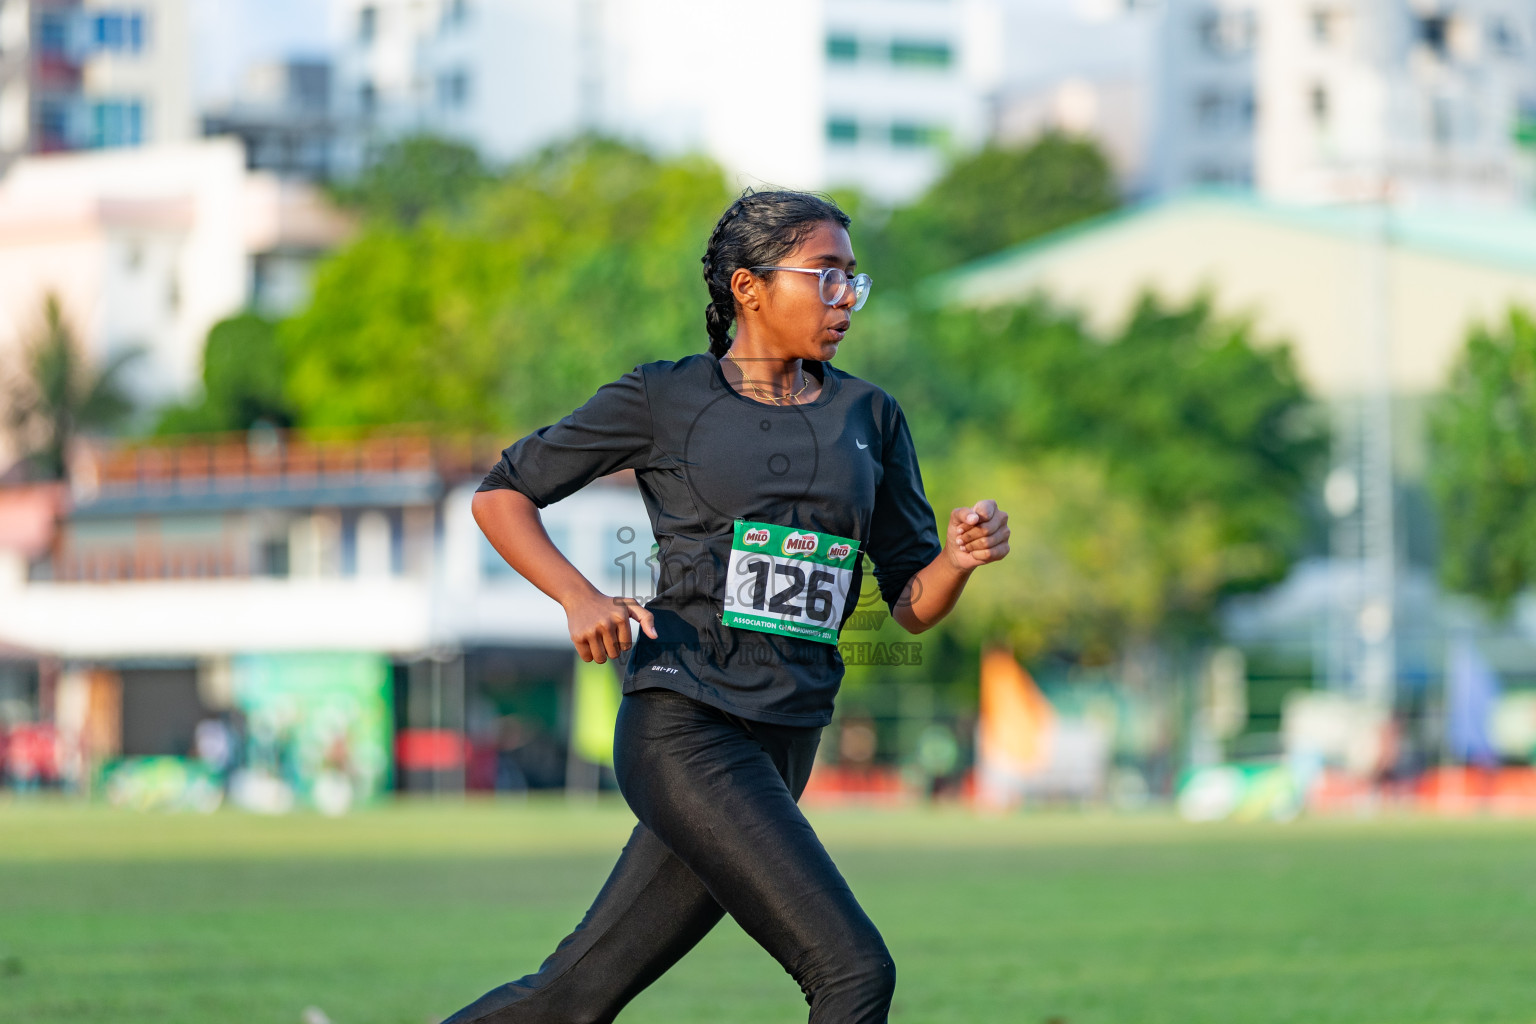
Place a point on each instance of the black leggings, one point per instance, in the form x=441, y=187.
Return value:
x=719, y=831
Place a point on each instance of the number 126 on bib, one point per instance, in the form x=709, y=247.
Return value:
x=788, y=581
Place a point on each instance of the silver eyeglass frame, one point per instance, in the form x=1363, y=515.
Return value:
x=861, y=283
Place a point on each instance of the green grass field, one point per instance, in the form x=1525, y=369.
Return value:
x=400, y=915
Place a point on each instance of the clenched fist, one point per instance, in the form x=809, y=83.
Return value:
x=977, y=535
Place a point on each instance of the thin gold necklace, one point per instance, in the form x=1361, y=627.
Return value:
x=805, y=383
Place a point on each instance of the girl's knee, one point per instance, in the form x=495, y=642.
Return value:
x=856, y=990
x=878, y=979
x=862, y=976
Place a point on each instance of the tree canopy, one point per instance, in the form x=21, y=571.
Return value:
x=413, y=175
x=1151, y=473
x=1482, y=475
x=1146, y=474
x=987, y=201
x=586, y=256
x=243, y=381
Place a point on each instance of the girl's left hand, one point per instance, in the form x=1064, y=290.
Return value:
x=977, y=535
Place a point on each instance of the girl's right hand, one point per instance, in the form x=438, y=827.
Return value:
x=599, y=624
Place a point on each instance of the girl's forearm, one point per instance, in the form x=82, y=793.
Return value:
x=511, y=522
x=930, y=594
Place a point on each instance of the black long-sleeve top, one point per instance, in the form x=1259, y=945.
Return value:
x=703, y=456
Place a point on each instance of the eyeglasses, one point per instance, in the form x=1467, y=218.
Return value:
x=834, y=284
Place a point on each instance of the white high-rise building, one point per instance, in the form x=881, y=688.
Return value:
x=807, y=94
x=1322, y=101
x=91, y=74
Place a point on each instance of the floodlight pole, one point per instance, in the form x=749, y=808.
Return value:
x=1377, y=620
x=1377, y=614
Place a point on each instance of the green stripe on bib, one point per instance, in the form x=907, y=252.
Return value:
x=788, y=581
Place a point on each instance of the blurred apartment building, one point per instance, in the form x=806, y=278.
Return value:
x=147, y=234
x=329, y=595
x=1307, y=102
x=282, y=111
x=812, y=94
x=84, y=74
x=148, y=247
x=1083, y=68
x=94, y=74
x=1319, y=101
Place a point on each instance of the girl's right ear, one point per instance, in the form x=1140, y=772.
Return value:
x=747, y=288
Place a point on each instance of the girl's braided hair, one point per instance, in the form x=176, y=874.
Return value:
x=758, y=228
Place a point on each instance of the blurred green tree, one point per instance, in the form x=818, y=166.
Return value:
x=1481, y=474
x=53, y=393
x=985, y=202
x=243, y=376
x=1150, y=473
x=1087, y=566
x=412, y=175
x=584, y=257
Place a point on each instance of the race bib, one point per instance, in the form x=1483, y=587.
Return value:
x=788, y=581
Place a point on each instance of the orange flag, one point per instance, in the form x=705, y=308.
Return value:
x=1016, y=720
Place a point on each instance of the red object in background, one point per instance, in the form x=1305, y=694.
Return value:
x=32, y=754
x=968, y=786
x=1449, y=790
x=29, y=517
x=1336, y=792
x=429, y=750
x=1460, y=790
x=480, y=771
x=833, y=784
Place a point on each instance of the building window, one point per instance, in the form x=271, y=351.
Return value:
x=1226, y=33
x=53, y=124
x=271, y=558
x=909, y=135
x=373, y=555
x=1217, y=111
x=1504, y=38
x=367, y=98
x=113, y=31
x=117, y=123
x=52, y=34
x=842, y=48
x=1434, y=32
x=456, y=13
x=1222, y=174
x=453, y=89
x=905, y=53
x=843, y=131
x=1210, y=108
x=1317, y=102
x=1322, y=26
x=1442, y=121
x=108, y=31
x=367, y=24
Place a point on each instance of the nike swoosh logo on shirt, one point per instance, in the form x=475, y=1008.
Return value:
x=861, y=444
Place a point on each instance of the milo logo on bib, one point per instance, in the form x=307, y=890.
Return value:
x=788, y=581
x=800, y=544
